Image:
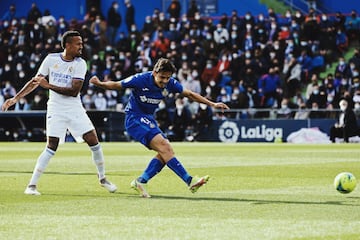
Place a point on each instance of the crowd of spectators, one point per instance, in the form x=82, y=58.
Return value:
x=250, y=62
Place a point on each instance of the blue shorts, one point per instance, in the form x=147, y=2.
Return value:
x=142, y=128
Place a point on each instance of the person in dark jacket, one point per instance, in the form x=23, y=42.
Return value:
x=129, y=15
x=347, y=125
x=114, y=22
x=174, y=9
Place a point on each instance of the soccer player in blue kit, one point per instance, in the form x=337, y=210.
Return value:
x=148, y=89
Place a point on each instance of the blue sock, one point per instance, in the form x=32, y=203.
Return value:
x=176, y=166
x=152, y=169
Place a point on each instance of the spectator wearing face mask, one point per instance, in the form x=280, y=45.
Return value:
x=203, y=120
x=129, y=14
x=209, y=76
x=342, y=68
x=98, y=29
x=284, y=112
x=162, y=117
x=148, y=27
x=47, y=17
x=22, y=105
x=269, y=88
x=39, y=101
x=100, y=102
x=302, y=112
x=346, y=126
x=356, y=100
x=355, y=86
x=192, y=82
x=221, y=34
x=352, y=26
x=342, y=41
x=317, y=96
x=181, y=121
x=114, y=20
x=36, y=35
x=223, y=63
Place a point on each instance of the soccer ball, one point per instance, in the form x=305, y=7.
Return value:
x=345, y=182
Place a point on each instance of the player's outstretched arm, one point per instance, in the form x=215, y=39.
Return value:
x=110, y=85
x=28, y=88
x=198, y=98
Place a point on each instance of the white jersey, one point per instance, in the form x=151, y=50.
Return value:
x=61, y=73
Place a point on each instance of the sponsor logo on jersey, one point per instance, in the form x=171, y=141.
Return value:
x=145, y=99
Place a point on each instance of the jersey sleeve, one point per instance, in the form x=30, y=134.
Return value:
x=80, y=70
x=130, y=82
x=44, y=67
x=176, y=86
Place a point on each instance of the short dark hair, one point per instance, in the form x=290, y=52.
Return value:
x=66, y=37
x=164, y=65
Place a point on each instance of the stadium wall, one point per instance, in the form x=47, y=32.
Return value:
x=344, y=6
x=77, y=8
x=110, y=127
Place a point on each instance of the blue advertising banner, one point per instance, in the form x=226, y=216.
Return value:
x=260, y=130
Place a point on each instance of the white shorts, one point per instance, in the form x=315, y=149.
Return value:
x=78, y=123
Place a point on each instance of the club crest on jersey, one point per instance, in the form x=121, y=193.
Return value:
x=71, y=69
x=165, y=92
x=56, y=66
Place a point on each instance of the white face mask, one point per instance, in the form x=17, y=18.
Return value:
x=343, y=107
x=203, y=106
x=162, y=105
x=195, y=74
x=180, y=107
x=18, y=67
x=208, y=90
x=357, y=106
x=37, y=99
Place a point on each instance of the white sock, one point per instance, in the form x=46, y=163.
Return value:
x=41, y=164
x=98, y=157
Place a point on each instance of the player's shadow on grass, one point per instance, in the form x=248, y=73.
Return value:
x=259, y=201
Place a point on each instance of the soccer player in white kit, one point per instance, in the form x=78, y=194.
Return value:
x=63, y=74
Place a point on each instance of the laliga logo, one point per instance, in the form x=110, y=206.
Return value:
x=229, y=132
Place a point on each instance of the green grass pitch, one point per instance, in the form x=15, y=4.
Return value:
x=256, y=191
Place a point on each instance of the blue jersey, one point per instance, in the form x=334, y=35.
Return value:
x=146, y=96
